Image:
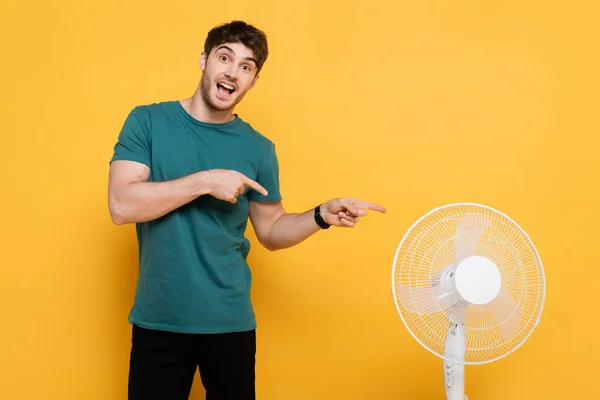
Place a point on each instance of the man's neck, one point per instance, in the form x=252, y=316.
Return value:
x=198, y=109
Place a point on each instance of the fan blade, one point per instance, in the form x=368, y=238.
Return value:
x=457, y=313
x=426, y=300
x=469, y=230
x=507, y=314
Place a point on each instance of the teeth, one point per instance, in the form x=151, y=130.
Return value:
x=226, y=86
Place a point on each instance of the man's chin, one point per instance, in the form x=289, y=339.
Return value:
x=224, y=105
x=221, y=106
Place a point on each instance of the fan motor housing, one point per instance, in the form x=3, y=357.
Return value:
x=478, y=280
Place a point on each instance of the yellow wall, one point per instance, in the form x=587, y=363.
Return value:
x=411, y=104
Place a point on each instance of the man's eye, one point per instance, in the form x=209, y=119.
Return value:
x=223, y=58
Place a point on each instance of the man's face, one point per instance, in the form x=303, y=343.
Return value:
x=229, y=72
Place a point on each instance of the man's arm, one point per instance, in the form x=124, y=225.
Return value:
x=133, y=199
x=276, y=229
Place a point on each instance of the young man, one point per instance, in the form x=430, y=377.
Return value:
x=190, y=174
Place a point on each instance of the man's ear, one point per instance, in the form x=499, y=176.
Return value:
x=203, y=61
x=254, y=81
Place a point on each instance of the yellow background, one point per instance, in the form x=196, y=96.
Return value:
x=410, y=104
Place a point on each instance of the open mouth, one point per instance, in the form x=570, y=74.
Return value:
x=225, y=89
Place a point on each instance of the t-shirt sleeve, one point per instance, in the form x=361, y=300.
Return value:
x=268, y=177
x=133, y=143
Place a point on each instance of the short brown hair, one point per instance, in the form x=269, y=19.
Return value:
x=239, y=32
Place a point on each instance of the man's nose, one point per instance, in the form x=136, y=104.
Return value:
x=231, y=71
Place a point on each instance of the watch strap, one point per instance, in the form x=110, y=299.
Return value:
x=319, y=218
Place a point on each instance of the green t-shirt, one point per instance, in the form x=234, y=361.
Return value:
x=193, y=274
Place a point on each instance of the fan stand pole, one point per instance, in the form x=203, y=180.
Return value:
x=454, y=374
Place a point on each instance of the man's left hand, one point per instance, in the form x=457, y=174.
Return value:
x=346, y=212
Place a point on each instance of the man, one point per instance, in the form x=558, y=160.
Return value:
x=190, y=174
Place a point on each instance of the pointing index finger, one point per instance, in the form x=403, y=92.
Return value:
x=371, y=206
x=254, y=185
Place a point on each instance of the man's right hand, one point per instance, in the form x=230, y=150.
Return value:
x=227, y=185
x=133, y=199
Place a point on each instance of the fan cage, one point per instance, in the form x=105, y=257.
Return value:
x=505, y=243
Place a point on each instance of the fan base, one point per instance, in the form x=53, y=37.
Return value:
x=454, y=373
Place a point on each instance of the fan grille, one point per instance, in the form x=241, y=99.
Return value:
x=492, y=330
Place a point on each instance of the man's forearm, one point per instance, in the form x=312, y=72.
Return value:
x=291, y=229
x=145, y=201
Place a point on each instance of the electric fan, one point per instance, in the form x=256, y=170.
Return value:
x=469, y=286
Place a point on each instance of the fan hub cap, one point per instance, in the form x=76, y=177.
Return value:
x=478, y=280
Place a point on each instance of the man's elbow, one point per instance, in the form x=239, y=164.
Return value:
x=269, y=244
x=274, y=248
x=116, y=213
x=118, y=219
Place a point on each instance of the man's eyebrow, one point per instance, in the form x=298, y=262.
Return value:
x=226, y=48
x=231, y=50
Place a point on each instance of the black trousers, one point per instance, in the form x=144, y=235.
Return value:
x=163, y=364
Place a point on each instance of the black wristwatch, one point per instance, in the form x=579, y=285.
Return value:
x=319, y=219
